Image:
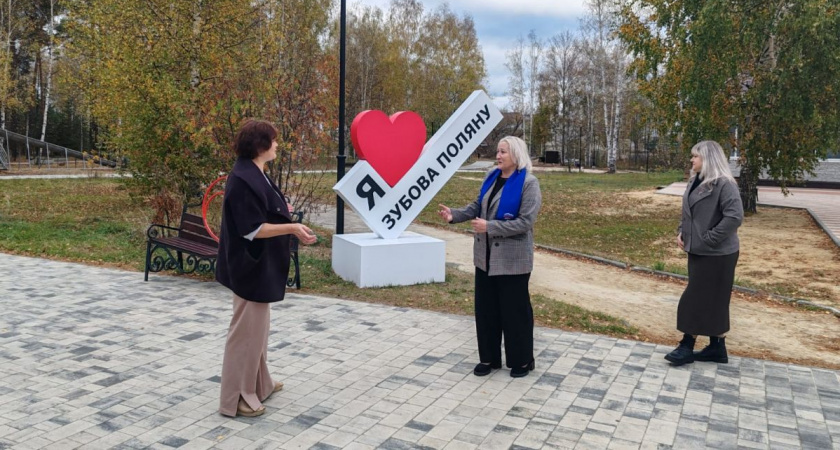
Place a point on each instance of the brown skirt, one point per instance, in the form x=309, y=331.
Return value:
x=244, y=369
x=704, y=306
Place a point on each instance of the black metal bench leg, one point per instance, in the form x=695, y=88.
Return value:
x=148, y=259
x=297, y=269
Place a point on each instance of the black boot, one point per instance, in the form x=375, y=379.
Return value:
x=715, y=352
x=483, y=369
x=684, y=353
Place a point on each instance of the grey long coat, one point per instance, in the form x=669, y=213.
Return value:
x=711, y=216
x=511, y=241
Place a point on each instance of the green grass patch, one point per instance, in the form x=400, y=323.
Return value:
x=588, y=213
x=86, y=220
x=554, y=313
x=96, y=221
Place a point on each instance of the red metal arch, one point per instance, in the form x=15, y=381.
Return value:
x=205, y=203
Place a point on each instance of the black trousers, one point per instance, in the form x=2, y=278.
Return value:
x=503, y=307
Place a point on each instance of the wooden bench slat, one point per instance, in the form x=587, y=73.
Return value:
x=182, y=244
x=187, y=217
x=195, y=228
x=200, y=237
x=200, y=240
x=192, y=228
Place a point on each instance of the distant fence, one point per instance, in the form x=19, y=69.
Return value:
x=30, y=143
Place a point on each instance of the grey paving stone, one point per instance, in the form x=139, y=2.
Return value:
x=137, y=365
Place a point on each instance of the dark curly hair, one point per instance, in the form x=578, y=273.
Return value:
x=254, y=137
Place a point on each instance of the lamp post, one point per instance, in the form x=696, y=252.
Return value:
x=339, y=204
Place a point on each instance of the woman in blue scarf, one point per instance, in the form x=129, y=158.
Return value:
x=503, y=219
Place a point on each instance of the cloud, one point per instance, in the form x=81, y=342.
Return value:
x=494, y=60
x=542, y=8
x=501, y=102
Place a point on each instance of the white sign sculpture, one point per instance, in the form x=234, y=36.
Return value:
x=389, y=209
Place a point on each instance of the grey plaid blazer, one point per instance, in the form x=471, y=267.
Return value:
x=511, y=241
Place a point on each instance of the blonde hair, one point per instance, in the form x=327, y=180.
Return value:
x=715, y=164
x=518, y=152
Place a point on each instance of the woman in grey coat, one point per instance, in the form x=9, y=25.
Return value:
x=503, y=219
x=708, y=232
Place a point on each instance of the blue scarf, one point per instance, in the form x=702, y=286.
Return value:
x=511, y=193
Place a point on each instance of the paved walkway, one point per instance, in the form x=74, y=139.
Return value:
x=822, y=204
x=96, y=358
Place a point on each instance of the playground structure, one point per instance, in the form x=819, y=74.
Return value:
x=64, y=154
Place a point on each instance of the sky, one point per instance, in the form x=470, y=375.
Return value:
x=499, y=23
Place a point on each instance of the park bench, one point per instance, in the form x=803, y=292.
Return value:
x=190, y=248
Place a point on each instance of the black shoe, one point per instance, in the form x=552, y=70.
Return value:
x=714, y=352
x=518, y=372
x=483, y=369
x=684, y=353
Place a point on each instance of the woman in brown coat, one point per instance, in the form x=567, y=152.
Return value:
x=253, y=262
x=708, y=232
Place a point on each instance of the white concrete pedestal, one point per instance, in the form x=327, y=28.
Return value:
x=370, y=261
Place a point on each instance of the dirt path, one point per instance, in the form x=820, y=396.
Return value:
x=760, y=328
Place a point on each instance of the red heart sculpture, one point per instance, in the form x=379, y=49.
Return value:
x=391, y=145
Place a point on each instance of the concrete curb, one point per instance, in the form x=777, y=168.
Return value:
x=824, y=227
x=659, y=272
x=807, y=303
x=597, y=259
x=746, y=290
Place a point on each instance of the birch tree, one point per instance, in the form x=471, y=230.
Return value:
x=534, y=58
x=609, y=58
x=561, y=65
x=49, y=51
x=517, y=88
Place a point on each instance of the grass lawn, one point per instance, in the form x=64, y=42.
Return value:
x=589, y=213
x=96, y=221
x=85, y=220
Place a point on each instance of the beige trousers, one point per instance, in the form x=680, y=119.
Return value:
x=244, y=368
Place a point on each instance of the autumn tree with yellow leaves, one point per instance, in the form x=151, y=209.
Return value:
x=171, y=81
x=407, y=58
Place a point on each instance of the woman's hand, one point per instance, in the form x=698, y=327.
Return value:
x=445, y=213
x=680, y=242
x=479, y=225
x=304, y=234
